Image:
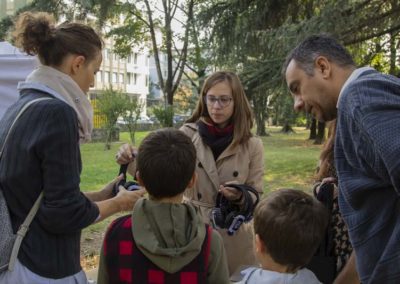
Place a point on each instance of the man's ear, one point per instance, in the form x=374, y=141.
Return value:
x=139, y=179
x=77, y=63
x=259, y=244
x=323, y=66
x=192, y=180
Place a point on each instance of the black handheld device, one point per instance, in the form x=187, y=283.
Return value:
x=128, y=185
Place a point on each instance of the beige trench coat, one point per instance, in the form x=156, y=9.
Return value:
x=243, y=164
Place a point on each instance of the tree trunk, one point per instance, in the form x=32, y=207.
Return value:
x=287, y=128
x=260, y=105
x=393, y=54
x=319, y=139
x=313, y=129
x=308, y=121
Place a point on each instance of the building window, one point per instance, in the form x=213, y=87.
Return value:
x=147, y=80
x=135, y=57
x=121, y=78
x=98, y=76
x=106, y=53
x=114, y=77
x=135, y=78
x=106, y=77
x=129, y=58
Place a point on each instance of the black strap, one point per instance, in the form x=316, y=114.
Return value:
x=325, y=195
x=249, y=205
x=122, y=170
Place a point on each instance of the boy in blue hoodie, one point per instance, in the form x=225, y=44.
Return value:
x=289, y=225
x=163, y=240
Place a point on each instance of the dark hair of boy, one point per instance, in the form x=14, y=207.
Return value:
x=166, y=162
x=291, y=225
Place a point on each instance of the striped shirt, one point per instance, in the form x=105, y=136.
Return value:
x=367, y=156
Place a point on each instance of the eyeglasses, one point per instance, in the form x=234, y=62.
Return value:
x=223, y=101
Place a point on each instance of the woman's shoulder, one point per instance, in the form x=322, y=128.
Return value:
x=255, y=142
x=48, y=99
x=48, y=107
x=189, y=129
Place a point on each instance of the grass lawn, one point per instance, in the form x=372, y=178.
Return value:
x=290, y=161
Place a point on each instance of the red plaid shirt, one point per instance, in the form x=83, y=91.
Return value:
x=127, y=264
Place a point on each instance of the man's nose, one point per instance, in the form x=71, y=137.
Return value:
x=298, y=103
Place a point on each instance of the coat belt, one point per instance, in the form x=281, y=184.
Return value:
x=197, y=202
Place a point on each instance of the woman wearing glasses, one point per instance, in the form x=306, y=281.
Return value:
x=227, y=152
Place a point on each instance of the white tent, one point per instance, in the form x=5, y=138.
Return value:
x=14, y=67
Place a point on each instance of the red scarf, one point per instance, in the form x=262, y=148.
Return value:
x=218, y=139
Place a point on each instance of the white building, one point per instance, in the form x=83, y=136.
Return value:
x=128, y=75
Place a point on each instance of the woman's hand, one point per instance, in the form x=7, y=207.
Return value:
x=123, y=201
x=329, y=180
x=127, y=199
x=106, y=192
x=230, y=193
x=126, y=154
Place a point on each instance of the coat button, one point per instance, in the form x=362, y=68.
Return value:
x=235, y=173
x=199, y=196
x=199, y=165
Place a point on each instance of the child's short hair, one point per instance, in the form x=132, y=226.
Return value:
x=291, y=225
x=166, y=162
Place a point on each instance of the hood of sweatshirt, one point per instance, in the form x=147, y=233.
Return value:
x=170, y=235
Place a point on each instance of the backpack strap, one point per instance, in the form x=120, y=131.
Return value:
x=23, y=229
x=22, y=110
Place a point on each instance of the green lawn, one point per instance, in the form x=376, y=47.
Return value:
x=290, y=161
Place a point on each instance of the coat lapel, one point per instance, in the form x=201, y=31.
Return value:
x=205, y=157
x=228, y=152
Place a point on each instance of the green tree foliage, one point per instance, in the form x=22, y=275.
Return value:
x=112, y=104
x=131, y=116
x=164, y=114
x=143, y=21
x=256, y=35
x=75, y=9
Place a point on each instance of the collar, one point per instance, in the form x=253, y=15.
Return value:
x=62, y=86
x=354, y=75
